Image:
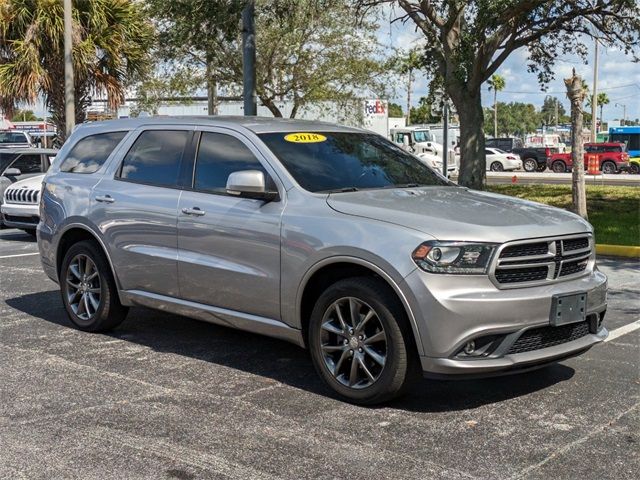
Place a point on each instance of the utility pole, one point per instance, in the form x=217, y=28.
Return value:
x=556, y=113
x=249, y=58
x=69, y=102
x=445, y=136
x=594, y=98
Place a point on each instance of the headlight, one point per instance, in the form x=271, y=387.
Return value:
x=454, y=257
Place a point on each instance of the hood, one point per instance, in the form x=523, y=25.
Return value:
x=456, y=213
x=32, y=183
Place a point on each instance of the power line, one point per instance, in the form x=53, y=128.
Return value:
x=563, y=92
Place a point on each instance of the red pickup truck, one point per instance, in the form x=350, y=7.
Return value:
x=612, y=158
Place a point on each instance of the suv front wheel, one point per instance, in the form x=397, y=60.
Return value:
x=360, y=341
x=88, y=289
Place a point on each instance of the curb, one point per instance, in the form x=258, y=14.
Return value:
x=618, y=250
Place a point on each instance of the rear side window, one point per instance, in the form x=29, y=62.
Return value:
x=28, y=164
x=155, y=157
x=90, y=153
x=220, y=155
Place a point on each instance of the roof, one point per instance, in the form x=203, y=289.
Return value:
x=255, y=124
x=18, y=150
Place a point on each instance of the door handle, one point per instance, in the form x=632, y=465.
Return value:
x=193, y=211
x=105, y=199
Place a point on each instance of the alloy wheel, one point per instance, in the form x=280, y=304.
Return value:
x=82, y=287
x=353, y=343
x=530, y=165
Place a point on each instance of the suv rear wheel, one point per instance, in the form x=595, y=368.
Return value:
x=360, y=341
x=609, y=167
x=559, y=166
x=88, y=289
x=530, y=165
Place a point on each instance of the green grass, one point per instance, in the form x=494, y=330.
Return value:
x=614, y=212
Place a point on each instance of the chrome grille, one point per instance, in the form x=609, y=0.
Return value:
x=22, y=195
x=539, y=261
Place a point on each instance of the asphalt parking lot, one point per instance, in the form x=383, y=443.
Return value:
x=168, y=397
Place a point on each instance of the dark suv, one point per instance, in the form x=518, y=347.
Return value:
x=533, y=159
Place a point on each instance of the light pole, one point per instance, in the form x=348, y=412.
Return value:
x=69, y=103
x=249, y=58
x=624, y=114
x=594, y=98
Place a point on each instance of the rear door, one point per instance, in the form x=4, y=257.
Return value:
x=229, y=247
x=136, y=209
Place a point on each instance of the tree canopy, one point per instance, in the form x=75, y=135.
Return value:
x=111, y=42
x=514, y=119
x=466, y=41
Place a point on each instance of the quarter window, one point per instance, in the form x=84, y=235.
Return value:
x=220, y=155
x=155, y=157
x=90, y=153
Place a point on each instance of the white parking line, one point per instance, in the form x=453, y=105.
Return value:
x=618, y=332
x=20, y=255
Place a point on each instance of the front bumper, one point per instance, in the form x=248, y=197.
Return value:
x=19, y=215
x=452, y=310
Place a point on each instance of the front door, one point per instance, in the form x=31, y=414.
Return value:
x=228, y=247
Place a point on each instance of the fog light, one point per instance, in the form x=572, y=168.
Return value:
x=470, y=347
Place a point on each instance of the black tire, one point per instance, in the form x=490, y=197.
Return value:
x=109, y=312
x=530, y=165
x=559, y=166
x=496, y=167
x=541, y=167
x=634, y=168
x=30, y=231
x=400, y=363
x=609, y=167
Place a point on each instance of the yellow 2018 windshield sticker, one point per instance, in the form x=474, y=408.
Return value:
x=305, y=137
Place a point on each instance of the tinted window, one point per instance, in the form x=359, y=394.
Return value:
x=504, y=145
x=339, y=160
x=6, y=159
x=13, y=137
x=90, y=153
x=218, y=156
x=28, y=164
x=155, y=157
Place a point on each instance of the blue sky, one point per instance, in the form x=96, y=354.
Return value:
x=618, y=76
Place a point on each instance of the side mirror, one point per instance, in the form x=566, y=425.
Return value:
x=250, y=184
x=12, y=172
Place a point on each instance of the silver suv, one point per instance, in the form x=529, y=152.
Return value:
x=329, y=237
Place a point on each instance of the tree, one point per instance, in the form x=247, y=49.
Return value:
x=190, y=34
x=111, y=41
x=395, y=110
x=24, y=116
x=603, y=99
x=516, y=119
x=407, y=64
x=577, y=93
x=422, y=113
x=497, y=84
x=552, y=111
x=466, y=41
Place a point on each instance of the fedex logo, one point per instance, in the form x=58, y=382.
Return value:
x=373, y=107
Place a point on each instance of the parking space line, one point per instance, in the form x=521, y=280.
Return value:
x=20, y=255
x=618, y=332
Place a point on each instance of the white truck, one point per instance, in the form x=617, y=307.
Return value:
x=416, y=139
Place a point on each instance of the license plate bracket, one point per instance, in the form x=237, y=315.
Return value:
x=567, y=309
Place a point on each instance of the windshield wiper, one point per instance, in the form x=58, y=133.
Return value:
x=340, y=190
x=406, y=185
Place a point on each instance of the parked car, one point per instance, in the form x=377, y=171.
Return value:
x=330, y=237
x=612, y=158
x=499, y=160
x=20, y=204
x=435, y=162
x=15, y=139
x=17, y=164
x=533, y=159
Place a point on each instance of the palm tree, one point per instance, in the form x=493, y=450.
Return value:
x=497, y=84
x=111, y=42
x=408, y=63
x=603, y=99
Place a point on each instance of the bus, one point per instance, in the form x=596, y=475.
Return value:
x=629, y=136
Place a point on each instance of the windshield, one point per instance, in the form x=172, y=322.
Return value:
x=341, y=161
x=423, y=136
